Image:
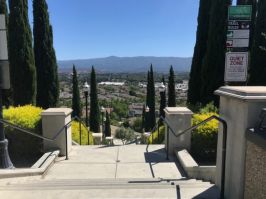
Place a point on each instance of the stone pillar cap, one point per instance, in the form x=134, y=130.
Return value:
x=177, y=110
x=57, y=111
x=243, y=92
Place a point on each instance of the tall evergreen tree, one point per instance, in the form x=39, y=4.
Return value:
x=162, y=101
x=152, y=116
x=22, y=65
x=212, y=72
x=257, y=70
x=263, y=47
x=45, y=58
x=171, y=89
x=148, y=94
x=245, y=2
x=94, y=105
x=199, y=52
x=75, y=94
x=150, y=119
x=107, y=125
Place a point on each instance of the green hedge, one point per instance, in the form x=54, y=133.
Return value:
x=204, y=138
x=84, y=134
x=157, y=138
x=21, y=145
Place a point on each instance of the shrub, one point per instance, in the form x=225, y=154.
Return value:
x=126, y=135
x=21, y=145
x=209, y=108
x=137, y=125
x=204, y=138
x=84, y=134
x=157, y=138
x=24, y=116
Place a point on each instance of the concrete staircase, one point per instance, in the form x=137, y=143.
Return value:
x=106, y=188
x=110, y=172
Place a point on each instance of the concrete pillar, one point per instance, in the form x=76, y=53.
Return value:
x=53, y=119
x=240, y=107
x=179, y=118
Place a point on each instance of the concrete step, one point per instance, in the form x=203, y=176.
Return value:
x=109, y=188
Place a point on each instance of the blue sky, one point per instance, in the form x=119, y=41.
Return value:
x=101, y=28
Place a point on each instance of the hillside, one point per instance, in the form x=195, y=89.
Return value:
x=128, y=64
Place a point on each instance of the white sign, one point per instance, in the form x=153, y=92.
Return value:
x=236, y=64
x=238, y=25
x=238, y=34
x=237, y=43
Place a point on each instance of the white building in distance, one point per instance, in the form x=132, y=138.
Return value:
x=112, y=83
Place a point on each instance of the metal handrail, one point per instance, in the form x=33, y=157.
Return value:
x=157, y=126
x=65, y=127
x=152, y=131
x=213, y=117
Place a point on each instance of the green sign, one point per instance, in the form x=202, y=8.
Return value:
x=242, y=12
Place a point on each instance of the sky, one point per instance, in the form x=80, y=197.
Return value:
x=126, y=28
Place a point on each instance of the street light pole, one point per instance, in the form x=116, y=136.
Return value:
x=102, y=111
x=5, y=161
x=86, y=94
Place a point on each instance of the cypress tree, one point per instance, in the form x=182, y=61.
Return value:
x=245, y=2
x=94, y=105
x=150, y=119
x=107, y=125
x=162, y=101
x=212, y=72
x=257, y=70
x=263, y=47
x=22, y=66
x=148, y=99
x=152, y=116
x=199, y=52
x=45, y=58
x=75, y=95
x=171, y=88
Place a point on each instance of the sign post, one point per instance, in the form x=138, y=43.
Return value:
x=237, y=44
x=236, y=65
x=5, y=162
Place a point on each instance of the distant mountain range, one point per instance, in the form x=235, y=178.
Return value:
x=128, y=64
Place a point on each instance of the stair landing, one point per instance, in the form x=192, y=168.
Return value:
x=129, y=161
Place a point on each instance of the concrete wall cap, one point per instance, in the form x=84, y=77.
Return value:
x=57, y=111
x=177, y=110
x=243, y=92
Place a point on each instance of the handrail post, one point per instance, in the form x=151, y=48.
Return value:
x=223, y=158
x=66, y=143
x=158, y=136
x=167, y=150
x=88, y=137
x=80, y=133
x=152, y=137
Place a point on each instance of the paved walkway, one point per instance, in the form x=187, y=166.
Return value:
x=115, y=162
x=100, y=172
